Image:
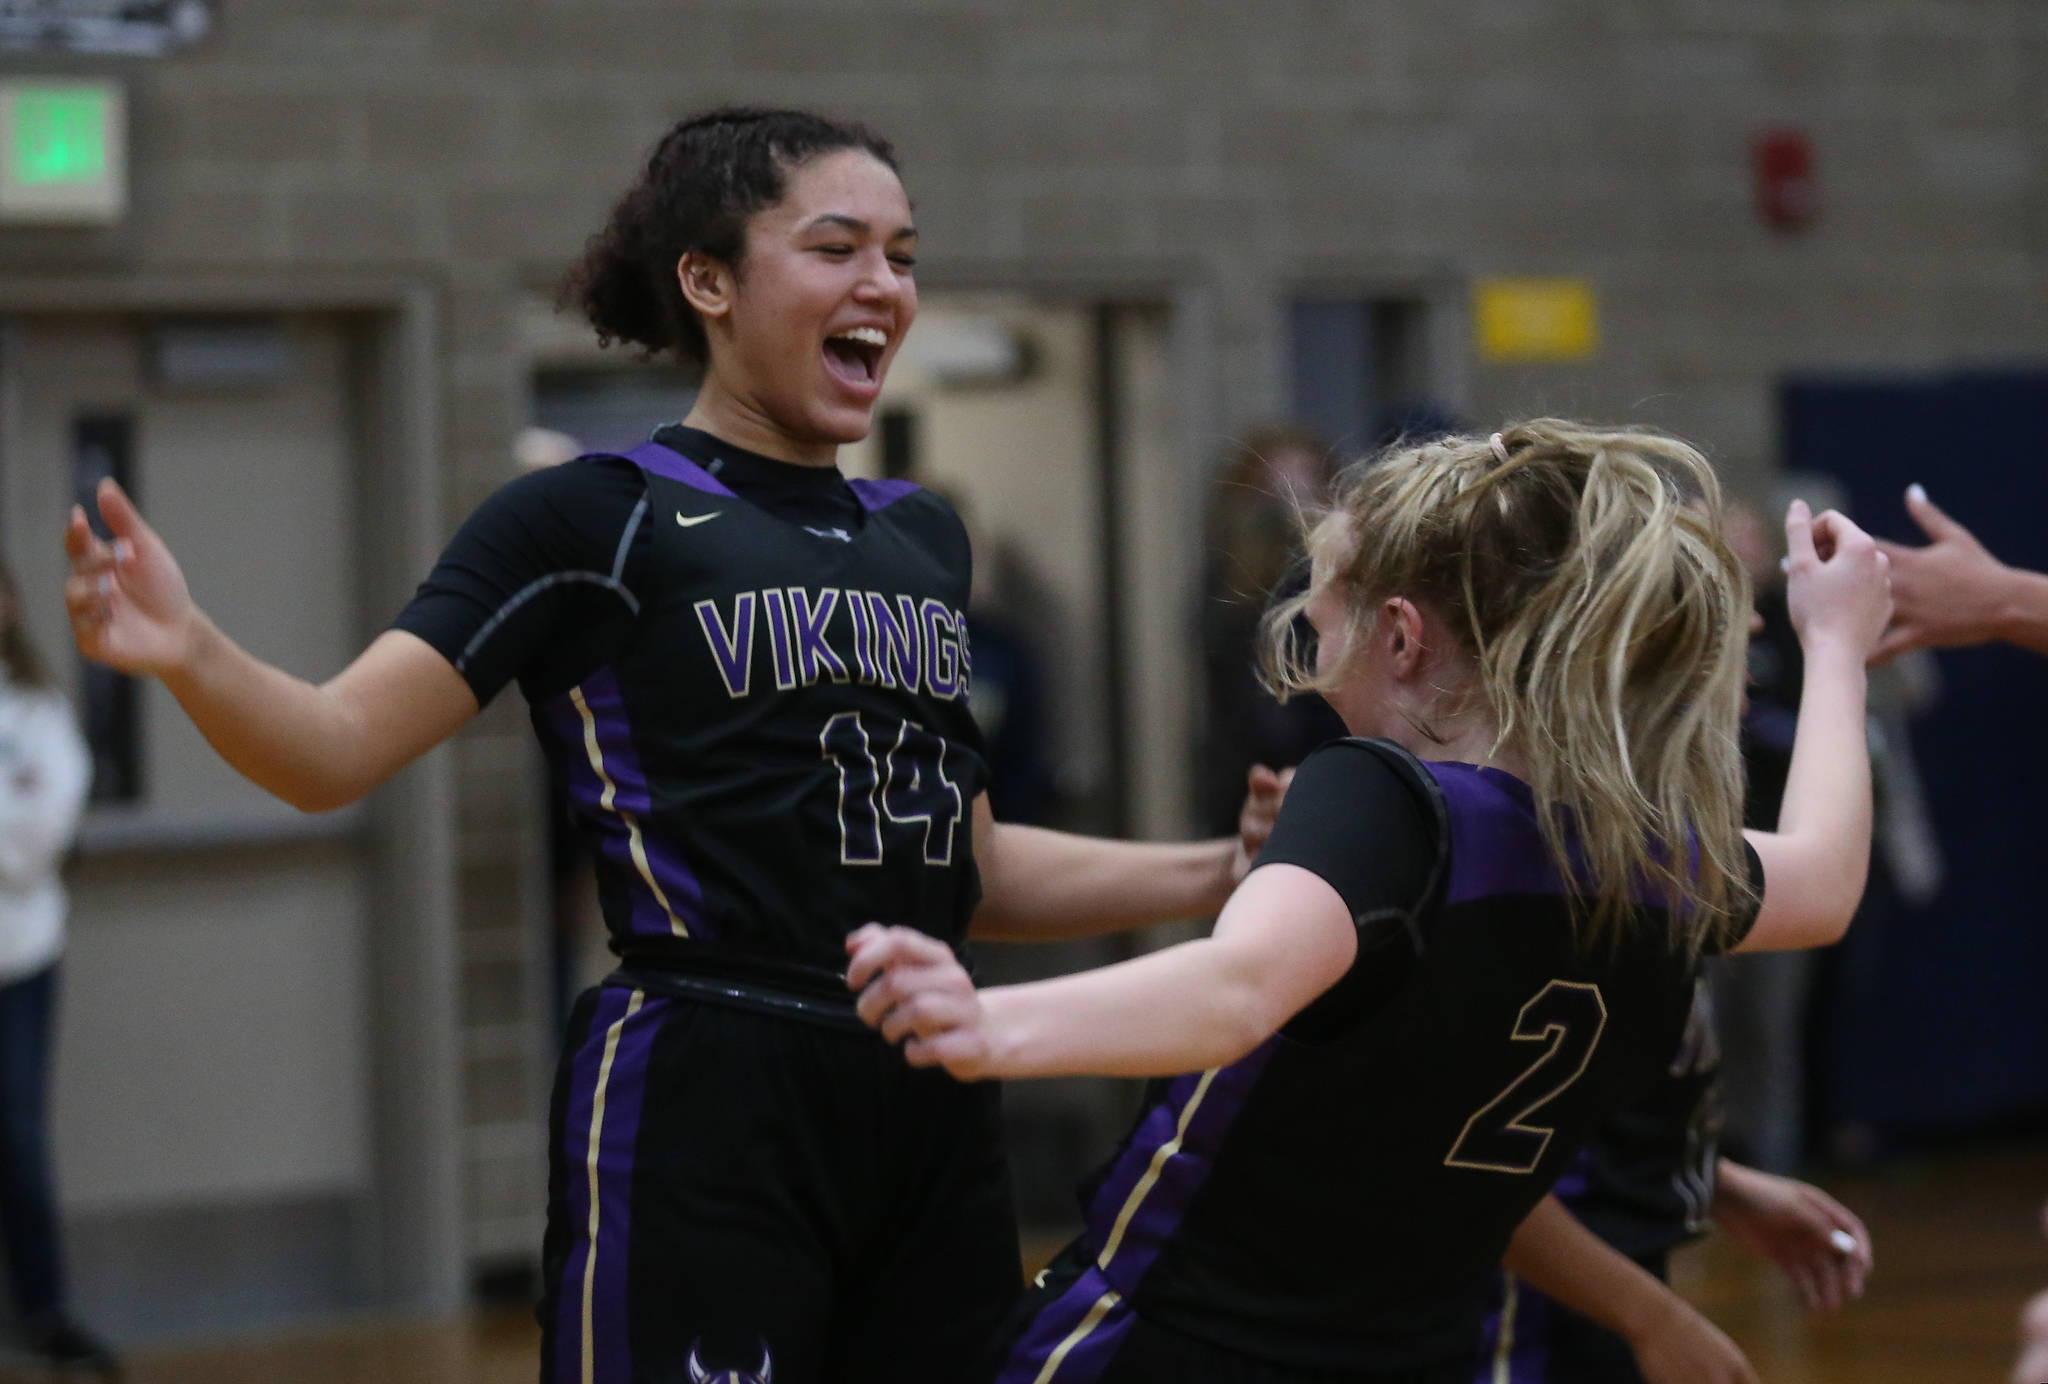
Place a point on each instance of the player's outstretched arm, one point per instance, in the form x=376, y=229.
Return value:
x=1673, y=1343
x=316, y=747
x=1820, y=1244
x=1284, y=938
x=1953, y=592
x=1816, y=861
x=1041, y=886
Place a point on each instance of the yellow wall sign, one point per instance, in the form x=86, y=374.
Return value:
x=1535, y=319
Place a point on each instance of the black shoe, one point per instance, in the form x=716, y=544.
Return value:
x=65, y=1345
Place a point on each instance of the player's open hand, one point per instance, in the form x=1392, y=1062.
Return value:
x=917, y=993
x=127, y=599
x=1839, y=583
x=1819, y=1243
x=1265, y=790
x=1948, y=593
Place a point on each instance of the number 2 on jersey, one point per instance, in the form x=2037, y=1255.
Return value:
x=908, y=786
x=1569, y=1017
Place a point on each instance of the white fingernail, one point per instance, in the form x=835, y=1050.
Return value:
x=123, y=550
x=1785, y=563
x=1842, y=1241
x=1917, y=493
x=106, y=586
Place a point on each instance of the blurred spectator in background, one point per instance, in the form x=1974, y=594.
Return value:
x=1761, y=998
x=1252, y=549
x=44, y=774
x=1770, y=1004
x=1008, y=702
x=1007, y=691
x=1418, y=420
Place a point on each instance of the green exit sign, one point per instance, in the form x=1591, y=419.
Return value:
x=60, y=136
x=63, y=151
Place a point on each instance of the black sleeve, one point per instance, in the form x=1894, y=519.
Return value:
x=537, y=583
x=1350, y=818
x=1728, y=939
x=1353, y=819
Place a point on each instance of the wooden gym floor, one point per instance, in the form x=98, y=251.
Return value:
x=1959, y=1249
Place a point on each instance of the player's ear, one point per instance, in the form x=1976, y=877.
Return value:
x=707, y=283
x=1401, y=621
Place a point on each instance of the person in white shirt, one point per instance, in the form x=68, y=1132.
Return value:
x=44, y=773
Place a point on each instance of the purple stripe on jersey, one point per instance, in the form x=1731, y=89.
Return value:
x=1496, y=846
x=874, y=495
x=1060, y=1323
x=1528, y=1347
x=1572, y=1182
x=575, y=1155
x=1489, y=1331
x=603, y=1265
x=666, y=461
x=679, y=885
x=586, y=796
x=1166, y=1200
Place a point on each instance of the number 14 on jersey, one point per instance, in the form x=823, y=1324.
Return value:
x=905, y=786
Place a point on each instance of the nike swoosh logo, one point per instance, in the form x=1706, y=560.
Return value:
x=699, y=519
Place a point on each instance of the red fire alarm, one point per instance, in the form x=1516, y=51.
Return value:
x=1786, y=197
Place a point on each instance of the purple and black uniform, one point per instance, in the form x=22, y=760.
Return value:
x=750, y=679
x=1331, y=1206
x=1645, y=1185
x=1645, y=1182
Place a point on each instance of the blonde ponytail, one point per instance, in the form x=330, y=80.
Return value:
x=1588, y=576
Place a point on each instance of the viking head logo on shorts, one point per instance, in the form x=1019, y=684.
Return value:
x=762, y=1373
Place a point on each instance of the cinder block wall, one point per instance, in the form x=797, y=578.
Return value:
x=1244, y=149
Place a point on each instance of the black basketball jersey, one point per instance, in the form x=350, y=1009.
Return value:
x=1338, y=1204
x=774, y=746
x=1644, y=1183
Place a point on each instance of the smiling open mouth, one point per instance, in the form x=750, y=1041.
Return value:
x=855, y=357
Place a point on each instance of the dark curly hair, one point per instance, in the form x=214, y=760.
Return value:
x=704, y=179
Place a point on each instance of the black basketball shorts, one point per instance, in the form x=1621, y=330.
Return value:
x=734, y=1195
